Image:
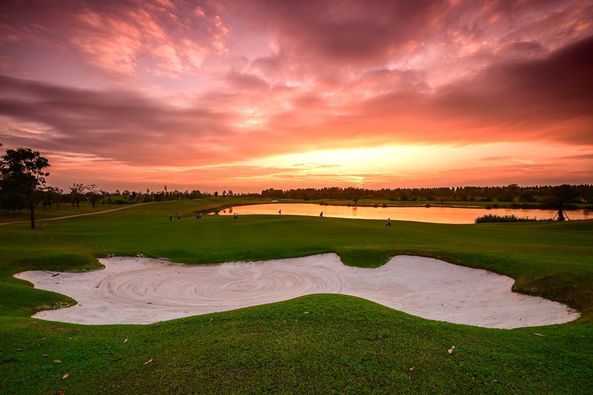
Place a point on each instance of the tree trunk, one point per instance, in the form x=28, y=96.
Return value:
x=32, y=209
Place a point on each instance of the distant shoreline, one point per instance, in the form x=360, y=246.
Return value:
x=428, y=204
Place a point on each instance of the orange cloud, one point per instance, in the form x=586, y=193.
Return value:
x=211, y=93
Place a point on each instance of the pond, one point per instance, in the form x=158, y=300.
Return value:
x=445, y=215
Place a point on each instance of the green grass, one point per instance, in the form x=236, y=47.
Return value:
x=57, y=210
x=342, y=344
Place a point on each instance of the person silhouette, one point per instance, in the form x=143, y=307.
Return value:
x=279, y=212
x=388, y=224
x=321, y=215
x=235, y=216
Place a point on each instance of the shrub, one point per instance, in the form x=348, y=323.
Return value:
x=503, y=218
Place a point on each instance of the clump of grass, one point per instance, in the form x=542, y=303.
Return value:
x=505, y=218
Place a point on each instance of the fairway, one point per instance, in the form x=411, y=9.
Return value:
x=340, y=343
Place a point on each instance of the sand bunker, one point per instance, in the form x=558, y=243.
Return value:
x=143, y=290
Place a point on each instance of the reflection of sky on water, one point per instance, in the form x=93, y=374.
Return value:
x=449, y=215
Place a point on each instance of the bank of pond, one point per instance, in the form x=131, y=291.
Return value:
x=446, y=215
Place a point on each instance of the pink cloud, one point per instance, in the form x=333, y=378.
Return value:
x=121, y=38
x=198, y=83
x=508, y=102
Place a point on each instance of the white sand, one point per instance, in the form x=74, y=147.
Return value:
x=142, y=290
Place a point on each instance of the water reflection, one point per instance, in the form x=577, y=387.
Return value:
x=445, y=215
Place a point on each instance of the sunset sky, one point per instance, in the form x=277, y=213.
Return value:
x=248, y=94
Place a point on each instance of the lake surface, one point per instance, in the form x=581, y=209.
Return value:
x=444, y=215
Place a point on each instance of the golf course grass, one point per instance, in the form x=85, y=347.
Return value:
x=313, y=344
x=57, y=210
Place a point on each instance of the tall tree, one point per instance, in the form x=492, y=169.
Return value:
x=23, y=172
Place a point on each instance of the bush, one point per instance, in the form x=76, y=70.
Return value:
x=503, y=218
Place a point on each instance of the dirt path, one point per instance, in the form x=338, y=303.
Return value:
x=76, y=215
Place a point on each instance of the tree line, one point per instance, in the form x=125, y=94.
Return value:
x=23, y=175
x=524, y=196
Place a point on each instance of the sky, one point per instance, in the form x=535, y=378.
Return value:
x=248, y=95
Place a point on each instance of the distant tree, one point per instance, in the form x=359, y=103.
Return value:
x=561, y=196
x=50, y=196
x=527, y=196
x=92, y=194
x=23, y=173
x=353, y=194
x=507, y=197
x=77, y=193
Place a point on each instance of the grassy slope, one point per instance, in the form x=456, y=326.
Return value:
x=57, y=210
x=342, y=344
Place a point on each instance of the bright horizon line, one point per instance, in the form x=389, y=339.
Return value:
x=176, y=189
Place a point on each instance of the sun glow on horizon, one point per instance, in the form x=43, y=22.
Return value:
x=374, y=166
x=401, y=163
